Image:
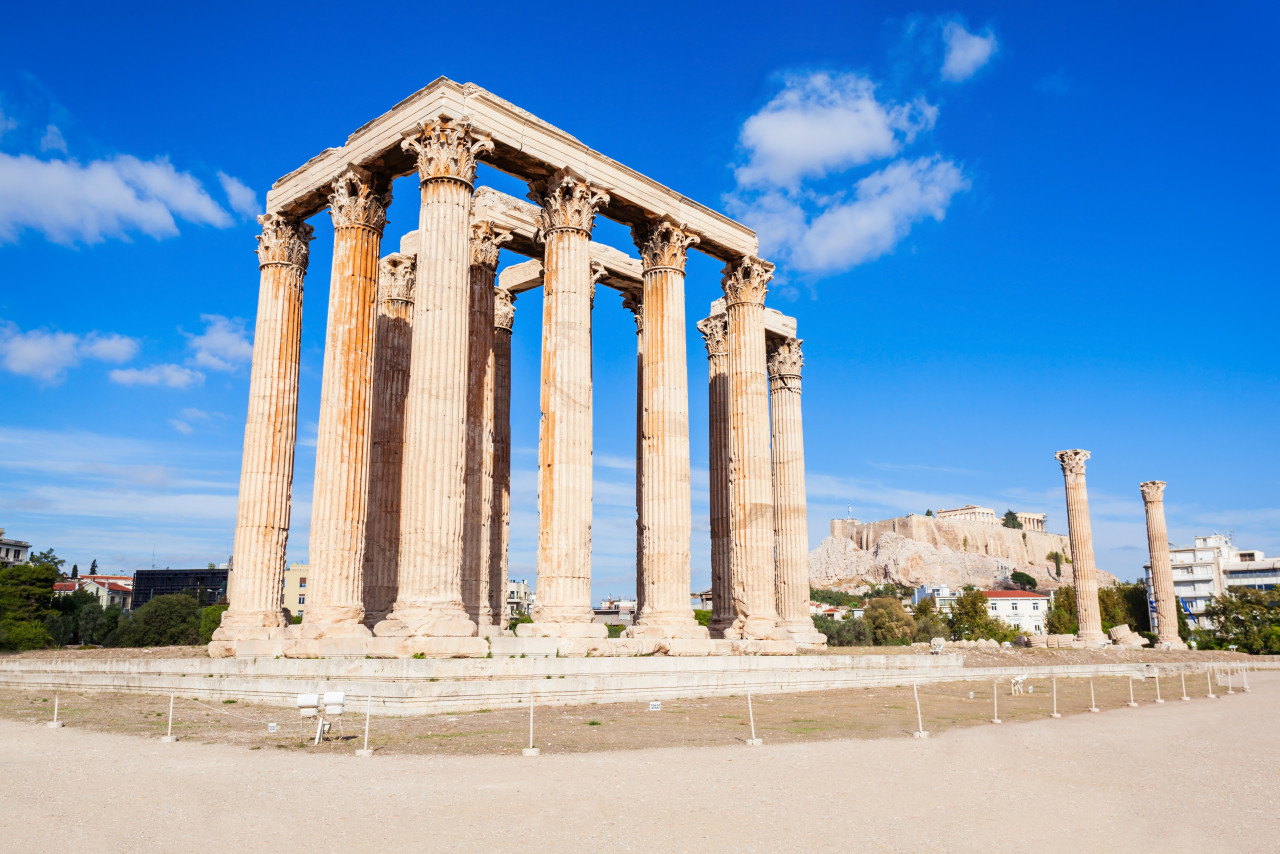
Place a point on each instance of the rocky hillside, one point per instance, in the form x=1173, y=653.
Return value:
x=839, y=564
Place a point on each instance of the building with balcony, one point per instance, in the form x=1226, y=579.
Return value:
x=13, y=551
x=1207, y=568
x=294, y=598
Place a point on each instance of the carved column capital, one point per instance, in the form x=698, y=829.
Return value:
x=785, y=357
x=504, y=310
x=746, y=280
x=1072, y=461
x=567, y=202
x=359, y=197
x=485, y=241
x=715, y=333
x=446, y=150
x=633, y=301
x=663, y=244
x=397, y=276
x=1152, y=491
x=284, y=240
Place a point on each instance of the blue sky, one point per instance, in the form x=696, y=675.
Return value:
x=1005, y=229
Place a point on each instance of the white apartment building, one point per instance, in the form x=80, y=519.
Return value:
x=520, y=598
x=1021, y=609
x=942, y=596
x=1207, y=568
x=13, y=551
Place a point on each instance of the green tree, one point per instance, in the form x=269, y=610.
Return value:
x=93, y=567
x=1124, y=603
x=46, y=558
x=702, y=616
x=1011, y=520
x=928, y=512
x=1061, y=619
x=75, y=571
x=1056, y=557
x=834, y=597
x=1023, y=580
x=930, y=623
x=210, y=619
x=890, y=623
x=1248, y=619
x=107, y=625
x=172, y=620
x=26, y=595
x=971, y=619
x=849, y=632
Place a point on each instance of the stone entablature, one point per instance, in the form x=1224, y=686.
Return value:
x=988, y=516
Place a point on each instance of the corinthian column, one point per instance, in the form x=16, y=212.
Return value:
x=564, y=437
x=666, y=509
x=1081, y=536
x=750, y=481
x=715, y=334
x=485, y=240
x=498, y=392
x=429, y=601
x=266, y=472
x=790, y=511
x=1161, y=567
x=358, y=204
x=633, y=301
x=392, y=339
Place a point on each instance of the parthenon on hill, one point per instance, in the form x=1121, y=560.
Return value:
x=410, y=514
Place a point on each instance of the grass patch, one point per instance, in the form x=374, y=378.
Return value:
x=593, y=723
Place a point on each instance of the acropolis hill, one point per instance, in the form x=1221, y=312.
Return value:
x=955, y=548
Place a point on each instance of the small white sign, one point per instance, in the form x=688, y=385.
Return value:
x=655, y=705
x=271, y=727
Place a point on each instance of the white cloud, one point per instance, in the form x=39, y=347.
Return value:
x=822, y=123
x=173, y=376
x=223, y=345
x=47, y=355
x=966, y=52
x=53, y=140
x=6, y=124
x=70, y=202
x=181, y=426
x=241, y=197
x=193, y=414
x=847, y=233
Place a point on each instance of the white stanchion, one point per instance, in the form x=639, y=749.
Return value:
x=919, y=733
x=1229, y=689
x=170, y=738
x=1055, y=699
x=1159, y=699
x=1093, y=703
x=1208, y=677
x=1131, y=702
x=1244, y=677
x=753, y=741
x=55, y=722
x=368, y=709
x=995, y=703
x=530, y=750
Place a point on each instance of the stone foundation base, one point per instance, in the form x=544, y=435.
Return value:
x=492, y=647
x=562, y=630
x=689, y=631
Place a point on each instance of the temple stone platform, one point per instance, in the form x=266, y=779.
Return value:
x=292, y=646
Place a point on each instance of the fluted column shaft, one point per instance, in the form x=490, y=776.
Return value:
x=750, y=478
x=271, y=428
x=1081, y=536
x=393, y=339
x=564, y=436
x=429, y=601
x=634, y=301
x=339, y=508
x=665, y=496
x=714, y=332
x=478, y=503
x=1162, y=586
x=790, y=509
x=498, y=392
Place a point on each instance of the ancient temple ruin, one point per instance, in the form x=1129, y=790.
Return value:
x=410, y=515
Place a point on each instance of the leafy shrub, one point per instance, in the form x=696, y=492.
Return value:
x=703, y=616
x=210, y=619
x=172, y=620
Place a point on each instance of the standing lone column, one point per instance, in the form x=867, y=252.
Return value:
x=266, y=473
x=633, y=301
x=1081, y=536
x=667, y=514
x=477, y=515
x=569, y=207
x=750, y=481
x=790, y=509
x=715, y=334
x=498, y=392
x=429, y=601
x=392, y=341
x=1161, y=567
x=339, y=508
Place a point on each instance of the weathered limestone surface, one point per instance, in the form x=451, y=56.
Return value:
x=429, y=601
x=1161, y=567
x=339, y=509
x=790, y=511
x=393, y=338
x=634, y=302
x=750, y=479
x=266, y=475
x=478, y=502
x=666, y=515
x=1080, y=531
x=715, y=334
x=498, y=397
x=1021, y=548
x=569, y=205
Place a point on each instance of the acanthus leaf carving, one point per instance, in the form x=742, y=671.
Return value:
x=359, y=198
x=284, y=240
x=567, y=202
x=785, y=357
x=504, y=310
x=1072, y=461
x=746, y=280
x=1152, y=490
x=397, y=277
x=715, y=334
x=447, y=149
x=633, y=301
x=486, y=239
x=663, y=244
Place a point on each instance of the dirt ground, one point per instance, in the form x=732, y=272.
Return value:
x=1194, y=776
x=861, y=713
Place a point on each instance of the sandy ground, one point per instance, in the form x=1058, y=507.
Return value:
x=1193, y=776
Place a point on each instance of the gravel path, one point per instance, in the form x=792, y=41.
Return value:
x=1197, y=776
